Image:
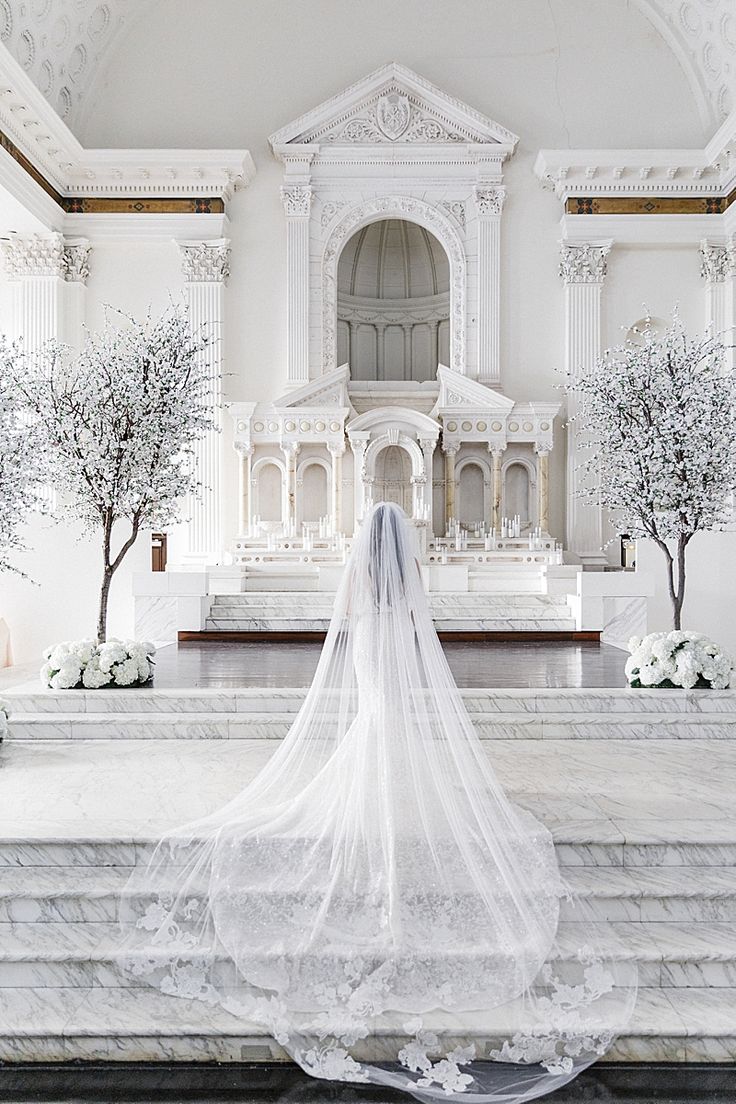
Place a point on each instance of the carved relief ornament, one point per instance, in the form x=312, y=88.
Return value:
x=583, y=262
x=205, y=261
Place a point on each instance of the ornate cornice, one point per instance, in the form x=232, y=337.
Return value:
x=47, y=255
x=297, y=200
x=205, y=261
x=490, y=200
x=584, y=262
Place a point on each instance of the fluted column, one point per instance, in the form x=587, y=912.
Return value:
x=297, y=199
x=427, y=446
x=489, y=201
x=336, y=454
x=48, y=274
x=245, y=467
x=206, y=267
x=718, y=269
x=290, y=450
x=583, y=270
x=450, y=452
x=543, y=488
x=497, y=455
x=358, y=445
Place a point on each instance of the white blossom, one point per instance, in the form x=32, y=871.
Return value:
x=678, y=659
x=84, y=663
x=657, y=426
x=21, y=458
x=118, y=424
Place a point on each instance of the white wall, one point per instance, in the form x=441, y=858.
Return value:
x=710, y=591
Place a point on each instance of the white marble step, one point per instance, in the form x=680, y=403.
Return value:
x=274, y=725
x=668, y=954
x=97, y=1023
x=91, y=894
x=31, y=697
x=588, y=843
x=448, y=599
x=278, y=624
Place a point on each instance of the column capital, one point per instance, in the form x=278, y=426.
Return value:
x=717, y=261
x=490, y=199
x=244, y=450
x=584, y=262
x=47, y=255
x=205, y=262
x=450, y=449
x=495, y=451
x=427, y=444
x=336, y=449
x=297, y=200
x=542, y=449
x=290, y=448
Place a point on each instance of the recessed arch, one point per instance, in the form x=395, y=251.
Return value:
x=409, y=209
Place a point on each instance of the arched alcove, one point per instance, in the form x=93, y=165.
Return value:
x=470, y=497
x=393, y=477
x=517, y=497
x=393, y=302
x=268, y=481
x=314, y=496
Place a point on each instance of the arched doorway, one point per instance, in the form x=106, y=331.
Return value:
x=393, y=302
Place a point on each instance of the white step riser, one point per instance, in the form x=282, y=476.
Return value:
x=490, y=703
x=308, y=624
x=32, y=853
x=275, y=726
x=83, y=973
x=105, y=908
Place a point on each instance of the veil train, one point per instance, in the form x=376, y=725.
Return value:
x=373, y=900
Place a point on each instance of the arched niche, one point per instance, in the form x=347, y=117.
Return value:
x=471, y=498
x=313, y=489
x=427, y=216
x=393, y=302
x=392, y=479
x=269, y=489
x=518, y=491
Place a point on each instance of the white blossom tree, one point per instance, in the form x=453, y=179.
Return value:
x=119, y=422
x=657, y=420
x=20, y=462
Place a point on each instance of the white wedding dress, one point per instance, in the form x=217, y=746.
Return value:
x=373, y=899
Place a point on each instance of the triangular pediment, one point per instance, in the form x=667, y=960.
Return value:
x=393, y=106
x=458, y=392
x=330, y=390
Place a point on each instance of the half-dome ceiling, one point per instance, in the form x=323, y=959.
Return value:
x=393, y=259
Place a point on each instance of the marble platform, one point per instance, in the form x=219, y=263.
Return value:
x=268, y=611
x=636, y=786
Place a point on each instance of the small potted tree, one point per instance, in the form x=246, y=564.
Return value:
x=657, y=421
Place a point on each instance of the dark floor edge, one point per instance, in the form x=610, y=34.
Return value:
x=223, y=636
x=282, y=1083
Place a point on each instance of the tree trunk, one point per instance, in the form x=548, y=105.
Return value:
x=676, y=578
x=102, y=613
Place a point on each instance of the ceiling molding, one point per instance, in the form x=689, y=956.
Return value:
x=49, y=164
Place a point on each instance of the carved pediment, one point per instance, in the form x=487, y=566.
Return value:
x=457, y=393
x=330, y=390
x=393, y=106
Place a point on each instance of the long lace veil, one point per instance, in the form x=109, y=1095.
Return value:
x=372, y=899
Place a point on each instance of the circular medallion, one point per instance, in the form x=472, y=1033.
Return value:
x=258, y=426
x=467, y=426
x=273, y=426
x=334, y=426
x=528, y=427
x=452, y=426
x=481, y=427
x=496, y=426
x=305, y=426
x=513, y=426
x=290, y=427
x=319, y=426
x=544, y=425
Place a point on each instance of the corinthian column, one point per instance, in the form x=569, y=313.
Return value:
x=206, y=267
x=450, y=453
x=48, y=274
x=489, y=201
x=718, y=269
x=583, y=270
x=497, y=455
x=542, y=488
x=297, y=200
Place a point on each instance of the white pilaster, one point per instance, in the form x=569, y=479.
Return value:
x=206, y=267
x=297, y=199
x=450, y=453
x=489, y=201
x=245, y=463
x=583, y=270
x=542, y=488
x=48, y=274
x=497, y=455
x=336, y=454
x=427, y=446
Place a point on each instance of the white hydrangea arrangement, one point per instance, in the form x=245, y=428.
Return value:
x=84, y=663
x=4, y=714
x=678, y=659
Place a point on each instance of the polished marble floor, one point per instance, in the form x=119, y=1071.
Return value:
x=604, y=1084
x=502, y=663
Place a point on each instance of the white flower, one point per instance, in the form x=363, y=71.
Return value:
x=125, y=673
x=110, y=653
x=681, y=658
x=94, y=677
x=67, y=677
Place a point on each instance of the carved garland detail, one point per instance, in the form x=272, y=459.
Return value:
x=395, y=207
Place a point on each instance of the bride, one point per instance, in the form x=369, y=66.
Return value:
x=373, y=900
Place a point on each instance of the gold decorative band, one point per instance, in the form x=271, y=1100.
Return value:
x=648, y=205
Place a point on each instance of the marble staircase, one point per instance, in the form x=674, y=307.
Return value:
x=636, y=787
x=462, y=612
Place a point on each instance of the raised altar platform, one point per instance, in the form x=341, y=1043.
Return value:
x=637, y=787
